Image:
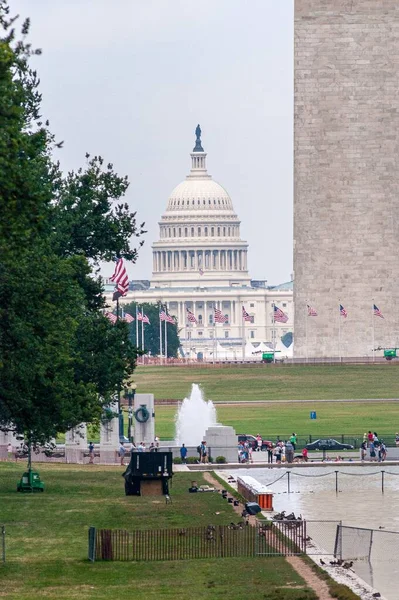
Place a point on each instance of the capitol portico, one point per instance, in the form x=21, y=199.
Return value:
x=200, y=263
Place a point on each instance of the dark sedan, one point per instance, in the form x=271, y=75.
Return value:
x=328, y=445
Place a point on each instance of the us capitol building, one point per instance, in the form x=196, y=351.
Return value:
x=200, y=263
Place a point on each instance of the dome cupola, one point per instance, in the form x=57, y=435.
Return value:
x=199, y=232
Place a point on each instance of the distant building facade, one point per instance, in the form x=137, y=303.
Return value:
x=346, y=206
x=200, y=263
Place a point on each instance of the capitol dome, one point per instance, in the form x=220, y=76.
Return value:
x=199, y=194
x=199, y=233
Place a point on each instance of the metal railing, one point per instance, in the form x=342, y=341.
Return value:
x=288, y=537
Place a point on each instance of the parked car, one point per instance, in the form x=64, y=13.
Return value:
x=328, y=444
x=245, y=437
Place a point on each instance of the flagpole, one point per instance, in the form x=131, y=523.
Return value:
x=214, y=334
x=243, y=336
x=142, y=332
x=166, y=340
x=214, y=325
x=137, y=330
x=339, y=330
x=372, y=322
x=274, y=336
x=160, y=334
x=306, y=331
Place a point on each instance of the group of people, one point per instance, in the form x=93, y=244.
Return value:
x=202, y=450
x=281, y=451
x=376, y=447
x=127, y=448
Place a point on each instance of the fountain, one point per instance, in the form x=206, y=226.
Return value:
x=193, y=418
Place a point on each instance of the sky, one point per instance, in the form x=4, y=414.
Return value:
x=130, y=79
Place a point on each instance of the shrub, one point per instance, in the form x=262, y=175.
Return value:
x=191, y=460
x=177, y=460
x=221, y=460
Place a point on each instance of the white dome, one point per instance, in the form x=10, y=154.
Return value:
x=199, y=195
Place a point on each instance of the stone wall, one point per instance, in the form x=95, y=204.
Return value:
x=346, y=175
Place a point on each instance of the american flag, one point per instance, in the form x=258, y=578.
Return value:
x=163, y=315
x=191, y=316
x=377, y=312
x=312, y=312
x=128, y=318
x=111, y=317
x=220, y=317
x=120, y=278
x=245, y=315
x=342, y=311
x=142, y=317
x=279, y=315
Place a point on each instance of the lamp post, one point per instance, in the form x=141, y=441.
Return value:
x=130, y=393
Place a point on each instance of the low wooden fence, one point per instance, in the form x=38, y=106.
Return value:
x=267, y=538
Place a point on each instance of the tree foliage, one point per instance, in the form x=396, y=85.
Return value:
x=151, y=332
x=60, y=358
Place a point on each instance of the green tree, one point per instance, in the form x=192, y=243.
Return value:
x=151, y=332
x=60, y=358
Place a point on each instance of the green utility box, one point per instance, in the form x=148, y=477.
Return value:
x=389, y=354
x=30, y=482
x=267, y=357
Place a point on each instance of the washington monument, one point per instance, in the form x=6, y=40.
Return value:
x=346, y=198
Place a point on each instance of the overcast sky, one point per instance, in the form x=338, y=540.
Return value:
x=130, y=80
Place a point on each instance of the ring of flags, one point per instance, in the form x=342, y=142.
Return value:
x=312, y=312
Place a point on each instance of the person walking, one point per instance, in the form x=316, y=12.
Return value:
x=289, y=451
x=305, y=454
x=278, y=452
x=204, y=453
x=259, y=442
x=363, y=450
x=9, y=451
x=370, y=438
x=270, y=453
x=183, y=454
x=382, y=451
x=91, y=453
x=293, y=440
x=122, y=452
x=372, y=452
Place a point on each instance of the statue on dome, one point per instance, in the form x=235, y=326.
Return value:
x=198, y=146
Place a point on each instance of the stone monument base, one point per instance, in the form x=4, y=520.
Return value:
x=222, y=440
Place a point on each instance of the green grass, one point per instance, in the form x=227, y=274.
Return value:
x=47, y=542
x=269, y=382
x=274, y=419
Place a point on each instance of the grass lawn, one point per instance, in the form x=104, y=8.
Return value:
x=268, y=382
x=270, y=420
x=47, y=542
